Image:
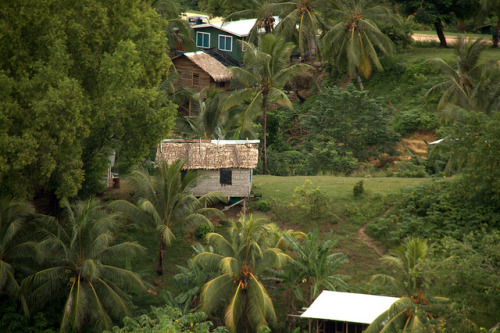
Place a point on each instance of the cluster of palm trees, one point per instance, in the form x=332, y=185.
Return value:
x=77, y=258
x=74, y=257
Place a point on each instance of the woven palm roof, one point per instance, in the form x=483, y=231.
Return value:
x=210, y=65
x=210, y=154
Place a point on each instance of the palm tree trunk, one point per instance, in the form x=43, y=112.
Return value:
x=496, y=35
x=264, y=132
x=439, y=30
x=163, y=249
x=360, y=83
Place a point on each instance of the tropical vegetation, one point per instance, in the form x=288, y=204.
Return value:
x=87, y=91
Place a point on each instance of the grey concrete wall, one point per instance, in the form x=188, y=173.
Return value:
x=241, y=183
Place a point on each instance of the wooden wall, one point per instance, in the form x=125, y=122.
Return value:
x=241, y=183
x=186, y=68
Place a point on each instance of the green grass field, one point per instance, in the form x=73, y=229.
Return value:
x=337, y=188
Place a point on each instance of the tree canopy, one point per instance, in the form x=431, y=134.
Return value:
x=78, y=81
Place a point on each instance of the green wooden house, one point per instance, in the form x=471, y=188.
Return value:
x=225, y=36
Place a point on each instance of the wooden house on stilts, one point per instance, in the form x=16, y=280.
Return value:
x=227, y=164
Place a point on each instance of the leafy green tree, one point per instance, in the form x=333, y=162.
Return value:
x=78, y=80
x=354, y=38
x=170, y=320
x=265, y=73
x=316, y=263
x=16, y=251
x=339, y=117
x=240, y=257
x=413, y=311
x=468, y=272
x=165, y=203
x=80, y=259
x=222, y=7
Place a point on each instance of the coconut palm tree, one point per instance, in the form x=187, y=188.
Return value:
x=412, y=312
x=165, y=203
x=214, y=117
x=302, y=21
x=265, y=73
x=470, y=86
x=80, y=263
x=240, y=257
x=316, y=264
x=354, y=40
x=265, y=12
x=16, y=251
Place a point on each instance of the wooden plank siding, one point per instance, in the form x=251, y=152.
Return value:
x=210, y=182
x=187, y=76
x=236, y=51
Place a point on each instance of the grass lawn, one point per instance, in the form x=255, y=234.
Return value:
x=351, y=215
x=417, y=54
x=337, y=188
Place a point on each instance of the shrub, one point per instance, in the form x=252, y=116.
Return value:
x=313, y=202
x=203, y=229
x=358, y=189
x=262, y=205
x=410, y=120
x=408, y=169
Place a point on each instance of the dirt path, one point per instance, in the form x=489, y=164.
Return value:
x=375, y=246
x=433, y=37
x=369, y=242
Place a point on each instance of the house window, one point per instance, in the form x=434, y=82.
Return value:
x=222, y=84
x=225, y=43
x=226, y=177
x=202, y=39
x=196, y=79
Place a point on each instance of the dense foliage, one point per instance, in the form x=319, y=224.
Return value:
x=78, y=81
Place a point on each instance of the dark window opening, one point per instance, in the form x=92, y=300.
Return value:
x=196, y=79
x=226, y=177
x=222, y=84
x=183, y=174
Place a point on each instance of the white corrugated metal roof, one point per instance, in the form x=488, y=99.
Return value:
x=239, y=28
x=349, y=307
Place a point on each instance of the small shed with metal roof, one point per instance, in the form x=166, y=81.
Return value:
x=341, y=312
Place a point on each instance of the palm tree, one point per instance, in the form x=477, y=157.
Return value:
x=316, y=264
x=265, y=73
x=302, y=20
x=80, y=257
x=413, y=310
x=470, y=86
x=214, y=117
x=354, y=39
x=240, y=257
x=165, y=202
x=179, y=31
x=15, y=250
x=264, y=11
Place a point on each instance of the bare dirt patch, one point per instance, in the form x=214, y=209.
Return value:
x=415, y=142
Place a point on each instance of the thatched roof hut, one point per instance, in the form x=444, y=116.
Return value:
x=209, y=64
x=210, y=154
x=198, y=70
x=228, y=164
